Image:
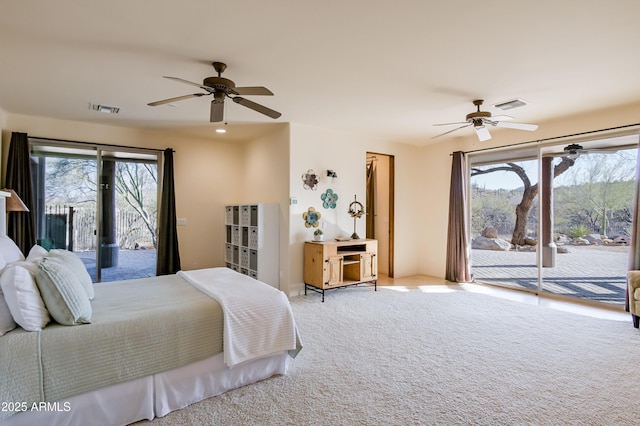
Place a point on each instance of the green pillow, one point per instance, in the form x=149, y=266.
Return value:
x=62, y=293
x=73, y=262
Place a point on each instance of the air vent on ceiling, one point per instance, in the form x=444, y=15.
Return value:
x=515, y=103
x=104, y=108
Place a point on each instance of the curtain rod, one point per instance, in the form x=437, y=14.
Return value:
x=552, y=138
x=97, y=144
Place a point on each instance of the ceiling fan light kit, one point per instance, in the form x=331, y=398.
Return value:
x=481, y=119
x=222, y=88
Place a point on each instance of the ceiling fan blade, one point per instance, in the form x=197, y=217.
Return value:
x=253, y=90
x=450, y=124
x=256, y=107
x=483, y=133
x=453, y=130
x=207, y=88
x=518, y=126
x=217, y=111
x=500, y=117
x=601, y=151
x=556, y=154
x=177, y=98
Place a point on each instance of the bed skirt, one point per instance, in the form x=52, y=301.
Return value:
x=153, y=396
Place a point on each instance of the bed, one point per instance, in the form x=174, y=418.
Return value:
x=150, y=346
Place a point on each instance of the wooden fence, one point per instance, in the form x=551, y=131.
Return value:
x=74, y=228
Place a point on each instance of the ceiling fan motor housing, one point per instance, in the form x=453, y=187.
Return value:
x=219, y=83
x=476, y=117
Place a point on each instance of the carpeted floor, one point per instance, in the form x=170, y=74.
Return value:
x=439, y=358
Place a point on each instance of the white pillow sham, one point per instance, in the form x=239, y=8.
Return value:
x=22, y=296
x=37, y=253
x=63, y=293
x=74, y=263
x=9, y=249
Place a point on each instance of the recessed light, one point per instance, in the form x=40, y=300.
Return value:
x=104, y=108
x=514, y=103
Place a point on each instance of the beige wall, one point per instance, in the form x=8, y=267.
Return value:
x=436, y=170
x=321, y=149
x=266, y=180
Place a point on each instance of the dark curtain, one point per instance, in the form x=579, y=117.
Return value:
x=168, y=254
x=371, y=199
x=634, y=248
x=457, y=267
x=21, y=225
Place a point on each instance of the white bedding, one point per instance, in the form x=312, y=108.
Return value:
x=153, y=396
x=258, y=351
x=258, y=320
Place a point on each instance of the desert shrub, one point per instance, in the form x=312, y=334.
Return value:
x=578, y=231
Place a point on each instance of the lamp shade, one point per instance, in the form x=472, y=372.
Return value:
x=14, y=203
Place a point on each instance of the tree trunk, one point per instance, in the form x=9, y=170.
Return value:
x=529, y=193
x=522, y=211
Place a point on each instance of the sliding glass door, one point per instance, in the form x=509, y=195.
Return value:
x=592, y=214
x=99, y=203
x=504, y=221
x=555, y=220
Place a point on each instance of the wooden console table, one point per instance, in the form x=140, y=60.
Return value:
x=335, y=264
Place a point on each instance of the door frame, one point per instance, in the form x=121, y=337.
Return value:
x=391, y=206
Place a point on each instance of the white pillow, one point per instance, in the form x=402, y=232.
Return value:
x=37, y=253
x=23, y=297
x=6, y=320
x=3, y=263
x=74, y=263
x=10, y=250
x=63, y=293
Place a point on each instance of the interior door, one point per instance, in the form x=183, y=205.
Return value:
x=380, y=207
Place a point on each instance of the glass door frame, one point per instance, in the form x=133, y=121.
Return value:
x=510, y=153
x=124, y=153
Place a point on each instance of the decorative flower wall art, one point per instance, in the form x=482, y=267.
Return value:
x=311, y=218
x=310, y=180
x=329, y=199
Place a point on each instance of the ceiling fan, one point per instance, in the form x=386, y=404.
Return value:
x=575, y=150
x=480, y=119
x=220, y=88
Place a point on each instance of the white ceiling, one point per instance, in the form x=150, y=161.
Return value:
x=387, y=69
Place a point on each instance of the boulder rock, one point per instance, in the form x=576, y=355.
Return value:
x=489, y=232
x=484, y=243
x=593, y=238
x=621, y=240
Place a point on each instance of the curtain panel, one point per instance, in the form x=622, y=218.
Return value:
x=634, y=248
x=457, y=265
x=21, y=225
x=168, y=261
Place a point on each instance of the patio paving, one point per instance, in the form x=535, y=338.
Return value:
x=131, y=264
x=596, y=273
